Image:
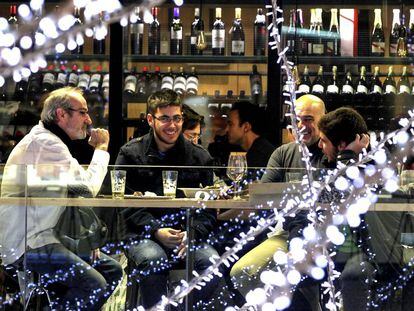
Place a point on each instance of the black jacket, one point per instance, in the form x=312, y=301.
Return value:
x=143, y=151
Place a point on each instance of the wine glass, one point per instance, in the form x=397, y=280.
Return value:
x=236, y=168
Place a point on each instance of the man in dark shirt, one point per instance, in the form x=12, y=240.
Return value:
x=244, y=129
x=158, y=235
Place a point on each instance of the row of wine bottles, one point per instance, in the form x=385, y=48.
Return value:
x=39, y=83
x=348, y=85
x=317, y=41
x=144, y=84
x=197, y=39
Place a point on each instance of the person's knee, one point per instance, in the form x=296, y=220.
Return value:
x=203, y=253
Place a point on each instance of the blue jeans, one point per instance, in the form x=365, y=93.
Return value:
x=79, y=284
x=153, y=263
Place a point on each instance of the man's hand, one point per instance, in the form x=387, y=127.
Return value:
x=182, y=248
x=95, y=255
x=169, y=237
x=360, y=142
x=99, y=139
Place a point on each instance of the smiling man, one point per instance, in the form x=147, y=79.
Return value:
x=155, y=236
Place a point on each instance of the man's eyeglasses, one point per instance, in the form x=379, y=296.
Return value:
x=81, y=111
x=193, y=137
x=166, y=119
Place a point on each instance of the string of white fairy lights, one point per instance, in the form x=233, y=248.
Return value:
x=322, y=229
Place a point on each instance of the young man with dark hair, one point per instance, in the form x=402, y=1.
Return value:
x=244, y=129
x=192, y=125
x=155, y=236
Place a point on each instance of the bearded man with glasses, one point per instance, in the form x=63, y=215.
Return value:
x=155, y=238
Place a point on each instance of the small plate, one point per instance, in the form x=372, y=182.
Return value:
x=161, y=197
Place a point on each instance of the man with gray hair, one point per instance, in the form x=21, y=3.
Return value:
x=28, y=235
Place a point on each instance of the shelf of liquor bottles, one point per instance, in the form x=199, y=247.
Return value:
x=348, y=60
x=191, y=59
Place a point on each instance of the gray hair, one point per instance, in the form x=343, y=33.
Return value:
x=60, y=98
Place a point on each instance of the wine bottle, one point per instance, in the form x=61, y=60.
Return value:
x=98, y=39
x=305, y=85
x=130, y=84
x=154, y=34
x=318, y=86
x=318, y=47
x=389, y=83
x=61, y=77
x=255, y=83
x=333, y=87
x=136, y=32
x=301, y=45
x=196, y=26
x=410, y=35
x=78, y=22
x=333, y=43
x=180, y=82
x=348, y=86
x=12, y=20
x=376, y=85
x=105, y=87
x=20, y=89
x=404, y=82
x=218, y=35
x=142, y=82
x=176, y=34
x=34, y=86
x=192, y=82
x=259, y=33
x=48, y=80
x=378, y=39
x=395, y=32
x=36, y=32
x=154, y=83
x=237, y=35
x=362, y=85
x=73, y=76
x=402, y=39
x=312, y=31
x=167, y=82
x=291, y=33
x=84, y=78
x=95, y=81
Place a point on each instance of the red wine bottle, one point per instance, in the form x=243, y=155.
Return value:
x=154, y=37
x=136, y=33
x=218, y=35
x=259, y=33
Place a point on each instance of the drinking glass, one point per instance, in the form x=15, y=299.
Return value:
x=236, y=169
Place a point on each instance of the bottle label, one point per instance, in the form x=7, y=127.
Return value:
x=61, y=78
x=137, y=28
x=318, y=49
x=84, y=81
x=130, y=84
x=404, y=89
x=347, y=89
x=192, y=85
x=193, y=40
x=95, y=80
x=176, y=34
x=317, y=88
x=303, y=88
x=218, y=37
x=333, y=89
x=105, y=82
x=378, y=47
x=310, y=48
x=362, y=89
x=167, y=83
x=237, y=46
x=73, y=79
x=49, y=78
x=180, y=83
x=377, y=89
x=390, y=89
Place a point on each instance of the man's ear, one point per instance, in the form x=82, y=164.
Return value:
x=342, y=146
x=60, y=114
x=150, y=120
x=247, y=127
